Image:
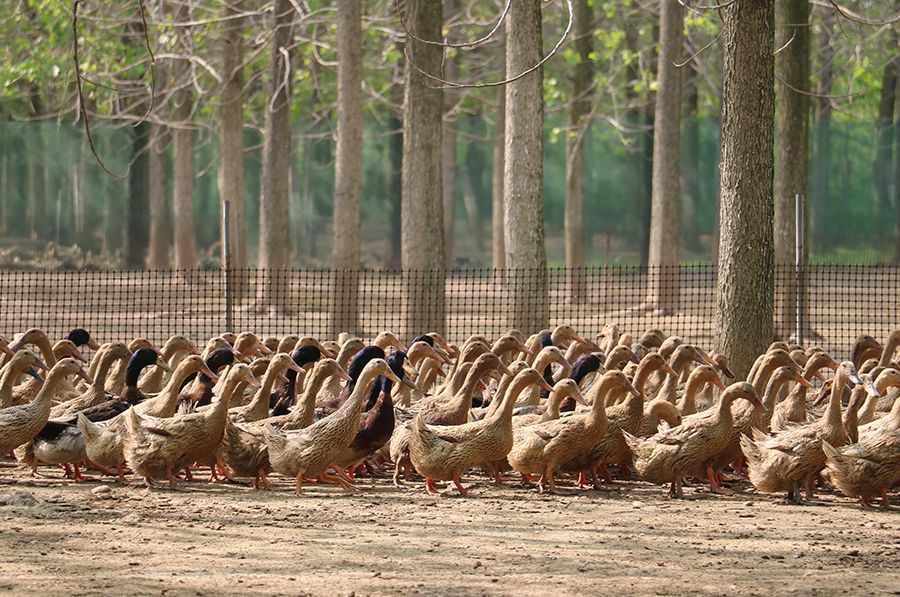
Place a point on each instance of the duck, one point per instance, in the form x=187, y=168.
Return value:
x=115, y=382
x=699, y=379
x=328, y=400
x=21, y=423
x=172, y=353
x=454, y=411
x=101, y=426
x=562, y=390
x=794, y=457
x=707, y=397
x=22, y=361
x=657, y=411
x=309, y=452
x=420, y=351
x=680, y=360
x=443, y=453
x=865, y=469
x=25, y=392
x=201, y=390
x=608, y=337
x=243, y=451
x=793, y=409
x=865, y=348
x=542, y=447
x=690, y=449
x=258, y=407
x=377, y=422
x=542, y=362
x=304, y=355
x=889, y=422
x=626, y=416
x=582, y=371
x=105, y=358
x=156, y=447
x=887, y=378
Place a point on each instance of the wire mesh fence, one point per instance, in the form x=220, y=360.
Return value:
x=841, y=302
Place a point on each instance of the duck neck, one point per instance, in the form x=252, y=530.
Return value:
x=355, y=401
x=888, y=351
x=464, y=395
x=600, y=391
x=261, y=398
x=220, y=410
x=306, y=407
x=509, y=399
x=43, y=344
x=102, y=371
x=725, y=417
x=773, y=388
x=833, y=411
x=669, y=387
x=762, y=376
x=44, y=399
x=499, y=394
x=8, y=382
x=554, y=401
x=694, y=383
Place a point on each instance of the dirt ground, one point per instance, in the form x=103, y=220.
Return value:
x=60, y=537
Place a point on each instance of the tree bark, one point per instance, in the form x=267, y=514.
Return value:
x=665, y=213
x=791, y=176
x=635, y=162
x=579, y=109
x=897, y=170
x=523, y=172
x=137, y=229
x=821, y=137
x=745, y=284
x=448, y=142
x=422, y=209
x=274, y=224
x=230, y=179
x=884, y=138
x=498, y=245
x=183, y=142
x=158, y=164
x=348, y=169
x=690, y=163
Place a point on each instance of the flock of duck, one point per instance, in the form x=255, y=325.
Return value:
x=548, y=405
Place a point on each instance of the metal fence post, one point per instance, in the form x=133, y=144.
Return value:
x=227, y=265
x=798, y=259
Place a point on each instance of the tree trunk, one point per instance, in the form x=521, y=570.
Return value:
x=422, y=209
x=745, y=284
x=448, y=147
x=634, y=164
x=498, y=245
x=348, y=169
x=573, y=220
x=523, y=173
x=183, y=142
x=230, y=179
x=665, y=213
x=690, y=163
x=137, y=229
x=884, y=139
x=821, y=137
x=645, y=196
x=791, y=177
x=395, y=173
x=158, y=165
x=274, y=224
x=897, y=170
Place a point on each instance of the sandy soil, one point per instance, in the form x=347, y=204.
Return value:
x=58, y=536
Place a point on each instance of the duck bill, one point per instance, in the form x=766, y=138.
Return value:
x=295, y=367
x=18, y=344
x=192, y=349
x=209, y=373
x=579, y=398
x=93, y=344
x=802, y=381
x=341, y=374
x=40, y=364
x=251, y=379
x=33, y=373
x=438, y=354
x=854, y=377
x=504, y=370
x=634, y=358
x=83, y=375
x=579, y=338
x=392, y=376
x=719, y=383
x=726, y=371
x=263, y=349
x=162, y=364
x=667, y=368
x=409, y=384
x=759, y=406
x=524, y=350
x=5, y=349
x=78, y=356
x=327, y=352
x=564, y=363
x=702, y=357
x=544, y=385
x=630, y=387
x=871, y=390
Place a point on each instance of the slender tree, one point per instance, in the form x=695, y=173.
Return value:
x=498, y=246
x=230, y=178
x=137, y=211
x=579, y=109
x=422, y=209
x=348, y=169
x=183, y=143
x=448, y=149
x=821, y=138
x=158, y=172
x=792, y=123
x=523, y=173
x=274, y=225
x=884, y=137
x=665, y=212
x=745, y=284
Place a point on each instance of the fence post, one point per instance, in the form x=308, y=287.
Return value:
x=798, y=259
x=227, y=265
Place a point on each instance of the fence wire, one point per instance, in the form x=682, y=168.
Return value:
x=841, y=302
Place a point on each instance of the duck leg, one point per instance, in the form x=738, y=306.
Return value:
x=547, y=484
x=298, y=488
x=810, y=486
x=714, y=483
x=605, y=472
x=326, y=478
x=793, y=495
x=459, y=486
x=429, y=486
x=261, y=476
x=173, y=480
x=885, y=501
x=527, y=481
x=348, y=480
x=120, y=469
x=103, y=470
x=79, y=478
x=397, y=481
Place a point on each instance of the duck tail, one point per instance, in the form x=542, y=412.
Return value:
x=87, y=427
x=634, y=443
x=759, y=436
x=749, y=447
x=273, y=438
x=832, y=454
